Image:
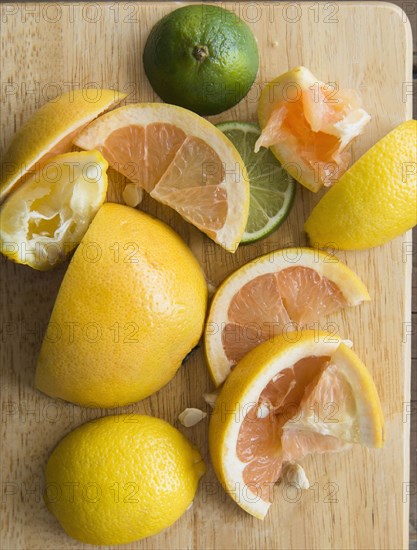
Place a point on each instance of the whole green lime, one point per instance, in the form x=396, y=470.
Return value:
x=201, y=57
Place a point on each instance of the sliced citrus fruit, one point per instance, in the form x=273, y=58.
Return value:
x=273, y=294
x=375, y=201
x=309, y=126
x=272, y=189
x=134, y=279
x=287, y=399
x=182, y=160
x=43, y=220
x=50, y=131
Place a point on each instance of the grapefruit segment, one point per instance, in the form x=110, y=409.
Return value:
x=297, y=444
x=308, y=296
x=276, y=293
x=309, y=126
x=284, y=401
x=182, y=160
x=192, y=185
x=121, y=147
x=143, y=153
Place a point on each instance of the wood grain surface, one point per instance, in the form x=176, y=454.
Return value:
x=358, y=499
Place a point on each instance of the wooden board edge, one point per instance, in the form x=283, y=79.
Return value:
x=408, y=283
x=406, y=338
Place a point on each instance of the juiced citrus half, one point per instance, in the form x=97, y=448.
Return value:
x=287, y=399
x=46, y=218
x=274, y=294
x=309, y=126
x=50, y=131
x=182, y=160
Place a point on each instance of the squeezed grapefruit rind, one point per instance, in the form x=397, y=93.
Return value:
x=278, y=90
x=44, y=252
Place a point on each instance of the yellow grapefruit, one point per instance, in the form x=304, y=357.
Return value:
x=130, y=308
x=375, y=201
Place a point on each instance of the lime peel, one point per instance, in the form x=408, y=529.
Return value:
x=272, y=189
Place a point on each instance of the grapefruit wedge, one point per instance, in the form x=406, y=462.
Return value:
x=279, y=292
x=50, y=131
x=273, y=410
x=309, y=126
x=182, y=160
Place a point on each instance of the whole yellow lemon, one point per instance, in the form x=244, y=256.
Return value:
x=121, y=478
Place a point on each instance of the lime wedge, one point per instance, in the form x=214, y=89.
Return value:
x=272, y=189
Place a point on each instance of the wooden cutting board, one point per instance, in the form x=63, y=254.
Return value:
x=358, y=499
